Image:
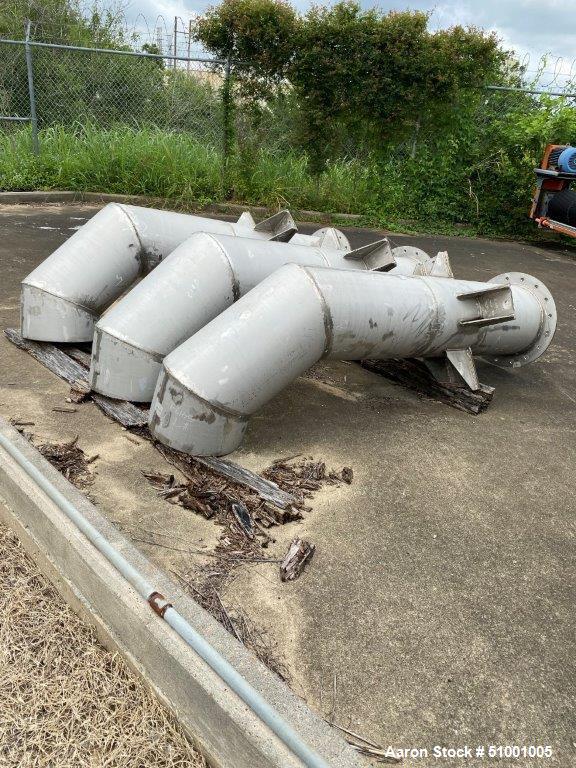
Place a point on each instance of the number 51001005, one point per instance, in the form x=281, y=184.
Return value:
x=513, y=750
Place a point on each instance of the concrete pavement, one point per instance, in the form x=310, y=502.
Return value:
x=439, y=606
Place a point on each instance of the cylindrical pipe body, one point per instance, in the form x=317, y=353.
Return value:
x=64, y=296
x=212, y=383
x=195, y=283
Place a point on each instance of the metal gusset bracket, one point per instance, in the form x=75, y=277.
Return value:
x=441, y=266
x=376, y=256
x=463, y=362
x=495, y=305
x=453, y=368
x=281, y=226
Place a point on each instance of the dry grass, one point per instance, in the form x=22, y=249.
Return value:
x=65, y=701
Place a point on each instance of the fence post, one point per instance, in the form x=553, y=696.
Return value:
x=227, y=124
x=175, y=41
x=31, y=93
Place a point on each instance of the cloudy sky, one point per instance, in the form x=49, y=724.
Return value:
x=533, y=27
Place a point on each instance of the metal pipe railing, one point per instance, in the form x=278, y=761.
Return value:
x=142, y=55
x=535, y=91
x=31, y=92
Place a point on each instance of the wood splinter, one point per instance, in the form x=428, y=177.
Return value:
x=299, y=553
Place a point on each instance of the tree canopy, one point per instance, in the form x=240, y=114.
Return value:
x=62, y=18
x=351, y=69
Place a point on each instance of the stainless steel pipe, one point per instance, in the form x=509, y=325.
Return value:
x=213, y=383
x=64, y=296
x=195, y=283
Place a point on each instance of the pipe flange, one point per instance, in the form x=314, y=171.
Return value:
x=547, y=325
x=330, y=237
x=422, y=261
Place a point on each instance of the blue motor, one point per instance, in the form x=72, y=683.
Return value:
x=567, y=160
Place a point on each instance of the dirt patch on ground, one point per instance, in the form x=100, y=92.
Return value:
x=66, y=701
x=247, y=523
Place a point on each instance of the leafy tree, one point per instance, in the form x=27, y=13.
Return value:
x=15, y=13
x=64, y=19
x=155, y=50
x=356, y=73
x=377, y=75
x=258, y=35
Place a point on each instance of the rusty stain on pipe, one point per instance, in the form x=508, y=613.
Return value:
x=159, y=604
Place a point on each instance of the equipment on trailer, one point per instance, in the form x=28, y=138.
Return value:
x=554, y=202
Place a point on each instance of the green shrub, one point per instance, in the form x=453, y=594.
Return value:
x=480, y=178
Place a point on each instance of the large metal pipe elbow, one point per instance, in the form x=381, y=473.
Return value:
x=187, y=290
x=199, y=279
x=63, y=297
x=211, y=384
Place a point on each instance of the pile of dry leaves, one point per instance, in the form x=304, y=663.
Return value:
x=246, y=517
x=68, y=458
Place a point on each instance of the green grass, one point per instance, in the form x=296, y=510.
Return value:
x=393, y=193
x=158, y=163
x=121, y=160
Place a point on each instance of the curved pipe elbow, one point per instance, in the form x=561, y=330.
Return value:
x=63, y=297
x=211, y=384
x=46, y=317
x=199, y=280
x=187, y=290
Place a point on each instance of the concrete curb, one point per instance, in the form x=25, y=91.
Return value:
x=223, y=728
x=60, y=196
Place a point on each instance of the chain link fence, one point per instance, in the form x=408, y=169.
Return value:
x=74, y=86
x=14, y=94
x=171, y=122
